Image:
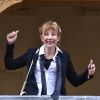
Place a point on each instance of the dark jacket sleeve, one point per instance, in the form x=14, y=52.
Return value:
x=73, y=77
x=10, y=62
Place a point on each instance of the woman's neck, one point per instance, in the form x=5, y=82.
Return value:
x=49, y=52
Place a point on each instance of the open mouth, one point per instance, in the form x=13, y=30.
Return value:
x=49, y=42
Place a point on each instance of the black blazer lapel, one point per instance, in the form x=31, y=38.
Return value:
x=62, y=63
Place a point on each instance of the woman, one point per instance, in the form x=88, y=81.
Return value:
x=50, y=66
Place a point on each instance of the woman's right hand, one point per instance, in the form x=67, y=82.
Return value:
x=11, y=37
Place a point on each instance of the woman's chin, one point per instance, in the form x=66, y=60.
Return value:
x=50, y=46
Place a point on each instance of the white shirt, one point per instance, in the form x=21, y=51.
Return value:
x=50, y=74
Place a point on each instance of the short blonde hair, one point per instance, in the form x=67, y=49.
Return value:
x=50, y=25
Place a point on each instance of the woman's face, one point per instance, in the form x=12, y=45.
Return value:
x=50, y=38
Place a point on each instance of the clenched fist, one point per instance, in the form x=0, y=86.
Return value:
x=11, y=37
x=91, y=68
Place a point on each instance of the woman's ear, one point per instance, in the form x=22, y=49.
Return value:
x=59, y=38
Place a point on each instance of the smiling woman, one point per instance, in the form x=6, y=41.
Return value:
x=4, y=4
x=48, y=66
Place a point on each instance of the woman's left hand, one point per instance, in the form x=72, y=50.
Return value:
x=91, y=68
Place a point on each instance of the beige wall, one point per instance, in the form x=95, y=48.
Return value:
x=80, y=37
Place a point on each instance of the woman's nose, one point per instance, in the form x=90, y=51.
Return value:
x=50, y=36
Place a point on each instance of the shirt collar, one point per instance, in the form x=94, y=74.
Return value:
x=41, y=51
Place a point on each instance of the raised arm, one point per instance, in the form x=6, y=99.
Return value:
x=78, y=79
x=11, y=62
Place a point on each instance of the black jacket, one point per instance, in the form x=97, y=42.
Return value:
x=25, y=60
